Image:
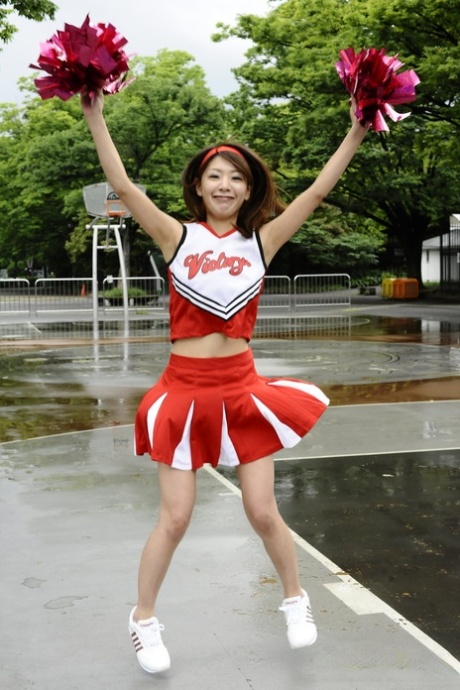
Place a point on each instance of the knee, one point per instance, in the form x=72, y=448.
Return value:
x=175, y=525
x=264, y=519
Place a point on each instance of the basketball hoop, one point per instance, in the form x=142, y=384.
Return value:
x=102, y=202
x=115, y=208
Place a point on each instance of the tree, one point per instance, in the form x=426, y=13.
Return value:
x=30, y=9
x=157, y=123
x=406, y=182
x=47, y=156
x=41, y=161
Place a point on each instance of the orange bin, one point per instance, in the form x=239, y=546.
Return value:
x=405, y=288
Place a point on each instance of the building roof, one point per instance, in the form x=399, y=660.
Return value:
x=435, y=242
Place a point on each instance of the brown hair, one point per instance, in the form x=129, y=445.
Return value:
x=264, y=202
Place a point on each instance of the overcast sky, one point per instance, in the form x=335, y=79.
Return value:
x=148, y=25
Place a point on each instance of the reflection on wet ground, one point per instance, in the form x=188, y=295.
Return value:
x=409, y=330
x=62, y=391
x=73, y=389
x=31, y=409
x=347, y=324
x=380, y=359
x=391, y=521
x=396, y=391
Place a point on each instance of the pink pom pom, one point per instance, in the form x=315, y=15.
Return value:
x=82, y=60
x=371, y=78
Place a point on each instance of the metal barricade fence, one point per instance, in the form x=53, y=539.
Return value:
x=15, y=295
x=301, y=326
x=64, y=307
x=61, y=294
x=145, y=294
x=322, y=289
x=276, y=293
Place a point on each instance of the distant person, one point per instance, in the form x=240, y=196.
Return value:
x=210, y=405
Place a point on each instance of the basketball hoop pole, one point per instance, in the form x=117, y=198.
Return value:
x=103, y=203
x=124, y=281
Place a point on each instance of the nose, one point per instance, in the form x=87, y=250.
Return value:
x=224, y=182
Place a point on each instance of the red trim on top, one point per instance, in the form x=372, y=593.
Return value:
x=208, y=227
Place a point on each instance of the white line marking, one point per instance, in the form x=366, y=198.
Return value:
x=348, y=590
x=397, y=404
x=361, y=600
x=305, y=456
x=223, y=480
x=357, y=598
x=68, y=433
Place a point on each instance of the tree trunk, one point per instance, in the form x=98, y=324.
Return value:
x=411, y=242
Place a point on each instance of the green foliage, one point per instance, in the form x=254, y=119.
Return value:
x=47, y=156
x=340, y=242
x=290, y=107
x=35, y=176
x=30, y=9
x=117, y=293
x=406, y=182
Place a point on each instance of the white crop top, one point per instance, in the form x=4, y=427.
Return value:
x=215, y=283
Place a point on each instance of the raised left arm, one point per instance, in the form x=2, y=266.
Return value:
x=278, y=231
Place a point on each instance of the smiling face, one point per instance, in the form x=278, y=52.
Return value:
x=224, y=190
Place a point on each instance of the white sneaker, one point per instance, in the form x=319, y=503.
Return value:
x=301, y=628
x=146, y=636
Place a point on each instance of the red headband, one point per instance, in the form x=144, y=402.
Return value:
x=217, y=150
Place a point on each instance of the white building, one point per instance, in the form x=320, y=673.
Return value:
x=431, y=252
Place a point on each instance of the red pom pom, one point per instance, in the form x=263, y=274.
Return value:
x=82, y=59
x=370, y=77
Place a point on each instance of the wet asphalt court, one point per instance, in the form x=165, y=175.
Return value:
x=372, y=494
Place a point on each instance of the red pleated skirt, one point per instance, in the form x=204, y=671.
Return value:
x=220, y=411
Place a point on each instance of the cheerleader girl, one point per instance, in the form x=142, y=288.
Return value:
x=210, y=405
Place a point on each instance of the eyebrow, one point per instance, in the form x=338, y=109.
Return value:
x=232, y=170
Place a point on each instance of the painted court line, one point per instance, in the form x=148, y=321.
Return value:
x=304, y=456
x=359, y=599
x=348, y=590
x=414, y=403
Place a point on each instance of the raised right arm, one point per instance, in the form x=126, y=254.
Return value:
x=164, y=230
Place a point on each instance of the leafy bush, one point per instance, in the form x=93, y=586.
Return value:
x=117, y=293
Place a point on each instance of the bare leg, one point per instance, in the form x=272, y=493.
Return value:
x=257, y=485
x=178, y=491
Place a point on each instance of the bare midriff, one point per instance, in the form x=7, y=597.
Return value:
x=212, y=345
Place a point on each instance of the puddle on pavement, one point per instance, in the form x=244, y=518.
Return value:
x=28, y=411
x=388, y=329
x=45, y=392
x=392, y=522
x=447, y=388
x=408, y=330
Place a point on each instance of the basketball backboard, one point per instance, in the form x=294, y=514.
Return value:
x=102, y=202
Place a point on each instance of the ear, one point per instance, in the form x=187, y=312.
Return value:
x=248, y=193
x=198, y=189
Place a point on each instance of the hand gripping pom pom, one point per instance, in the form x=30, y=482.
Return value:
x=83, y=60
x=370, y=77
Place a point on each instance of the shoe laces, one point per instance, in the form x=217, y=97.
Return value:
x=297, y=612
x=151, y=634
